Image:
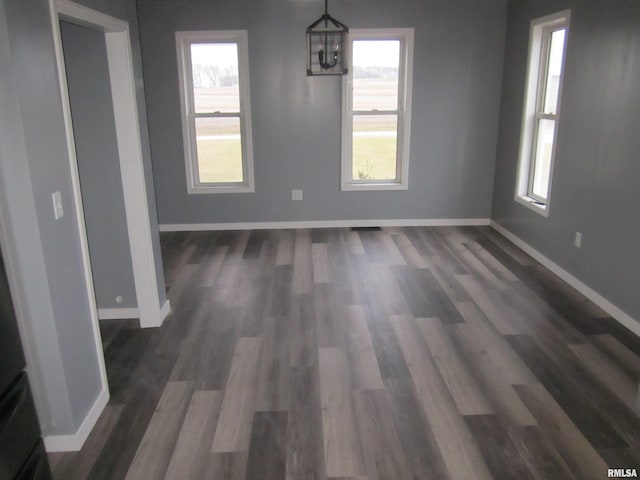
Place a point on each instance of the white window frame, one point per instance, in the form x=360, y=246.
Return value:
x=184, y=40
x=401, y=182
x=537, y=64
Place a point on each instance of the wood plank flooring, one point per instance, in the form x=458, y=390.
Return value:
x=399, y=353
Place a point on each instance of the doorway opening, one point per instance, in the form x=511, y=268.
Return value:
x=129, y=153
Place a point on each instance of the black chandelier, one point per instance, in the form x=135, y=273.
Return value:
x=327, y=46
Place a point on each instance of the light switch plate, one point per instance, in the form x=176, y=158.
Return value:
x=58, y=211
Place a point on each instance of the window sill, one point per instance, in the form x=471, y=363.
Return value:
x=530, y=203
x=354, y=187
x=207, y=189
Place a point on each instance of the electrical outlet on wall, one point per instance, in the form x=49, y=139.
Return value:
x=578, y=240
x=296, y=194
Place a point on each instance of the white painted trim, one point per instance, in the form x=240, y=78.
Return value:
x=73, y=442
x=133, y=177
x=81, y=15
x=530, y=203
x=347, y=183
x=184, y=40
x=374, y=186
x=117, y=313
x=616, y=312
x=165, y=310
x=408, y=222
x=77, y=195
x=529, y=107
x=129, y=150
x=126, y=313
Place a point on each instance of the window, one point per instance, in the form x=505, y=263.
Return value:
x=543, y=92
x=216, y=118
x=376, y=110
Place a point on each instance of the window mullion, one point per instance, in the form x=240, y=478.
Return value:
x=546, y=116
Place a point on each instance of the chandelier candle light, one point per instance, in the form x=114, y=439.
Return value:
x=327, y=46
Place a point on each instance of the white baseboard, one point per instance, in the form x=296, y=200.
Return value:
x=616, y=312
x=165, y=310
x=117, y=313
x=126, y=313
x=74, y=442
x=408, y=222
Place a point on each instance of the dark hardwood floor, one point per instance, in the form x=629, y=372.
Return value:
x=402, y=353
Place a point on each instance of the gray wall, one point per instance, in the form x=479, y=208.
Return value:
x=597, y=166
x=44, y=254
x=296, y=119
x=85, y=57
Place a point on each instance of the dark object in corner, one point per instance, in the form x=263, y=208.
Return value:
x=22, y=455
